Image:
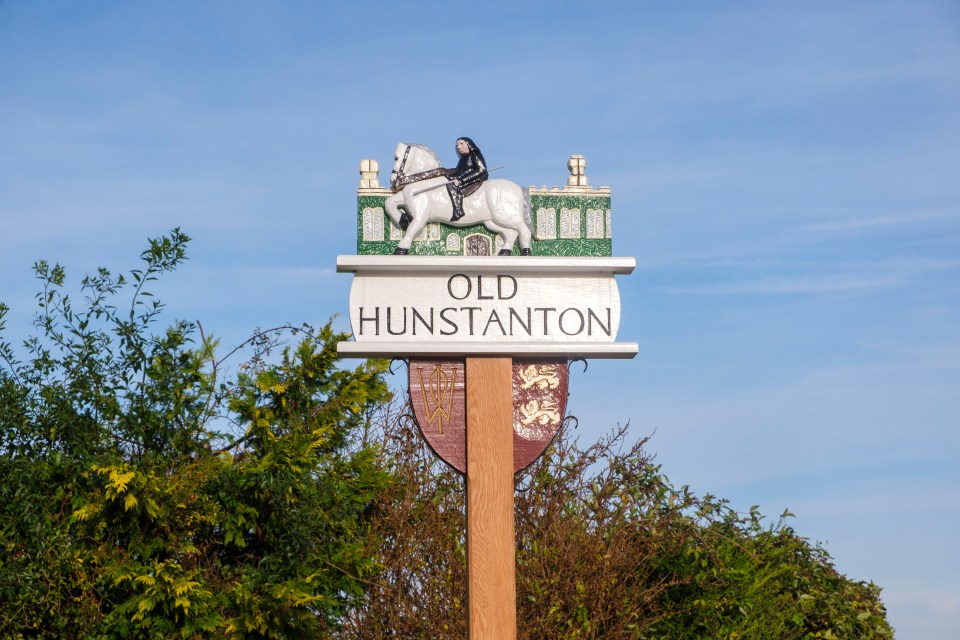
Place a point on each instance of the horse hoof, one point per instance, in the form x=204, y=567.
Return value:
x=526, y=252
x=505, y=252
x=405, y=220
x=401, y=252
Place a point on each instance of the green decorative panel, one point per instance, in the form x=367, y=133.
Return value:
x=564, y=224
x=571, y=224
x=365, y=245
x=570, y=247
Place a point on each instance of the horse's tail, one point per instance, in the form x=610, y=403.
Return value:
x=526, y=209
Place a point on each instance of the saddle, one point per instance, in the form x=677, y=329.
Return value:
x=470, y=189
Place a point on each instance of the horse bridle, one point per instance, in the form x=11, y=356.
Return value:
x=403, y=163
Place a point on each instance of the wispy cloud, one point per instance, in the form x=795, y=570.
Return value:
x=917, y=263
x=303, y=273
x=788, y=285
x=274, y=274
x=888, y=220
x=933, y=600
x=877, y=501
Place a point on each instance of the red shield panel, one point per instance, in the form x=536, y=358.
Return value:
x=438, y=397
x=539, y=402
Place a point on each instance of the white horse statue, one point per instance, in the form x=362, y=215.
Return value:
x=501, y=206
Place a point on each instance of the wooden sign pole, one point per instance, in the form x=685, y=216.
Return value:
x=491, y=556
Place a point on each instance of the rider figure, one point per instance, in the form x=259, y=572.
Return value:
x=471, y=170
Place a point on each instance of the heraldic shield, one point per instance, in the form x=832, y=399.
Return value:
x=438, y=397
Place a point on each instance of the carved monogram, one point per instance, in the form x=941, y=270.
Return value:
x=437, y=395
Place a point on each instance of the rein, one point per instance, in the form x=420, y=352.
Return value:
x=402, y=179
x=403, y=162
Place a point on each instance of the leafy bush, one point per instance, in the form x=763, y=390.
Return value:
x=146, y=493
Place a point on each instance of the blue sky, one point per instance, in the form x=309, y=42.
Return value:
x=784, y=173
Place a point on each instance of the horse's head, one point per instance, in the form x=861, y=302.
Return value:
x=400, y=155
x=412, y=158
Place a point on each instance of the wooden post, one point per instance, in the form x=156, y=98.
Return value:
x=491, y=556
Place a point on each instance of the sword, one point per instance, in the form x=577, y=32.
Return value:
x=443, y=184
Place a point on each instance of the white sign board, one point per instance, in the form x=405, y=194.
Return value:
x=520, y=306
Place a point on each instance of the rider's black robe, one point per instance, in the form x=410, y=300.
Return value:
x=471, y=169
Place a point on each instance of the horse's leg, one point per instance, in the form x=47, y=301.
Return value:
x=399, y=215
x=520, y=216
x=525, y=240
x=417, y=224
x=415, y=208
x=505, y=205
x=392, y=207
x=509, y=236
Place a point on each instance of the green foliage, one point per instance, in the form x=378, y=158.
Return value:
x=146, y=493
x=743, y=580
x=606, y=548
